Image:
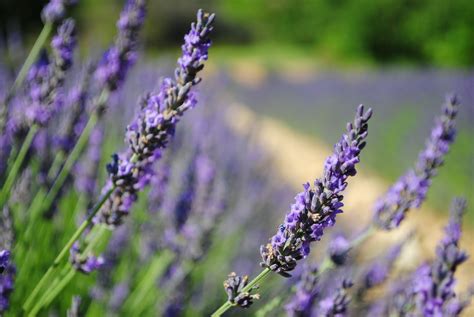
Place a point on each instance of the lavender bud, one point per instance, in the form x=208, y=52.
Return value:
x=336, y=304
x=338, y=249
x=234, y=286
x=55, y=10
x=84, y=263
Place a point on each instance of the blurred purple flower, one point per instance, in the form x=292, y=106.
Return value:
x=338, y=249
x=55, y=10
x=301, y=304
x=411, y=189
x=336, y=305
x=118, y=59
x=84, y=263
x=434, y=284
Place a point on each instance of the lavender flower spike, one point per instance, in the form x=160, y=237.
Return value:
x=234, y=286
x=55, y=10
x=46, y=78
x=411, y=189
x=434, y=284
x=337, y=304
x=118, y=59
x=316, y=208
x=305, y=295
x=150, y=132
x=338, y=249
x=7, y=268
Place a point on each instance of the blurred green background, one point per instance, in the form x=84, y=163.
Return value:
x=420, y=32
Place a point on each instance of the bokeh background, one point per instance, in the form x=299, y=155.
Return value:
x=309, y=63
x=301, y=68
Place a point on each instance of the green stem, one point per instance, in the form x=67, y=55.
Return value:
x=328, y=264
x=50, y=296
x=42, y=37
x=227, y=305
x=271, y=305
x=58, y=160
x=70, y=161
x=146, y=284
x=7, y=186
x=65, y=250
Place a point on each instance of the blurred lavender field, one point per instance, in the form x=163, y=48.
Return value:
x=404, y=101
x=132, y=185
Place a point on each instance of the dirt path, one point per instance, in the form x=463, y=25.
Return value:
x=299, y=158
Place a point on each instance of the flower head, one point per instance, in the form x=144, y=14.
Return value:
x=151, y=131
x=434, y=284
x=306, y=293
x=55, y=10
x=411, y=189
x=118, y=59
x=316, y=208
x=336, y=305
x=234, y=286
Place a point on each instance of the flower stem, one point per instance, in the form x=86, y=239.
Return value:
x=57, y=288
x=42, y=37
x=65, y=250
x=70, y=161
x=327, y=264
x=147, y=283
x=7, y=186
x=227, y=305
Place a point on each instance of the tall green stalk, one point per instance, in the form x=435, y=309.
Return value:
x=12, y=175
x=30, y=59
x=65, y=250
x=227, y=305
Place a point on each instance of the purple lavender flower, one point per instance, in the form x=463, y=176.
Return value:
x=301, y=303
x=234, y=286
x=316, y=208
x=411, y=189
x=6, y=285
x=4, y=260
x=338, y=249
x=434, y=284
x=45, y=79
x=55, y=10
x=118, y=59
x=336, y=305
x=377, y=272
x=150, y=132
x=84, y=263
x=7, y=268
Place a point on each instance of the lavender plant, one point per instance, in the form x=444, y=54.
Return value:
x=429, y=291
x=147, y=136
x=315, y=209
x=181, y=210
x=411, y=189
